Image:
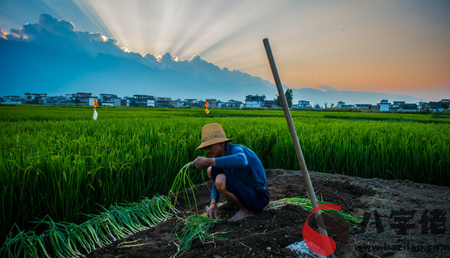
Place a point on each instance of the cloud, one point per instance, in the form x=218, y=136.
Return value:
x=2, y=34
x=61, y=35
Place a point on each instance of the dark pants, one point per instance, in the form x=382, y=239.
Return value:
x=253, y=199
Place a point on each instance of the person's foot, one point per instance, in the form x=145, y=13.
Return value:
x=241, y=214
x=227, y=206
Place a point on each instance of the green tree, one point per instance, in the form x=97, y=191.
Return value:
x=289, y=97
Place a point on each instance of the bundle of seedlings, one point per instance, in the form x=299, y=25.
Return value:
x=72, y=240
x=195, y=225
x=181, y=184
x=305, y=202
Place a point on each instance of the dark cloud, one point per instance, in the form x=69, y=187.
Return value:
x=61, y=35
x=167, y=60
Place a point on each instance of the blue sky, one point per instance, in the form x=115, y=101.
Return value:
x=398, y=47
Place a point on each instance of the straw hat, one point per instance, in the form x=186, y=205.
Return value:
x=212, y=134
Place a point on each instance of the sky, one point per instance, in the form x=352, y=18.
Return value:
x=397, y=47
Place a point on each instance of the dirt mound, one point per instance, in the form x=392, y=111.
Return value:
x=267, y=233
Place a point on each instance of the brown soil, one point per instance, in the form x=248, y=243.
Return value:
x=267, y=233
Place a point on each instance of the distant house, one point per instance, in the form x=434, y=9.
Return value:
x=176, y=103
x=163, y=102
x=82, y=96
x=190, y=102
x=409, y=107
x=255, y=101
x=398, y=104
x=445, y=103
x=53, y=100
x=363, y=106
x=424, y=105
x=270, y=104
x=384, y=105
x=303, y=104
x=234, y=103
x=341, y=104
x=92, y=101
x=13, y=99
x=212, y=103
x=70, y=96
x=32, y=96
x=201, y=103
x=110, y=100
x=436, y=106
x=107, y=97
x=39, y=96
x=141, y=100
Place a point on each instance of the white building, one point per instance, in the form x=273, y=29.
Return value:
x=163, y=102
x=176, y=103
x=110, y=100
x=303, y=104
x=141, y=100
x=384, y=105
x=31, y=96
x=255, y=101
x=190, y=101
x=70, y=96
x=341, y=104
x=91, y=101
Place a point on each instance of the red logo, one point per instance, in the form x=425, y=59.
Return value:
x=336, y=224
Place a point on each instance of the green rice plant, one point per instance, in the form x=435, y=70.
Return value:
x=59, y=162
x=182, y=183
x=195, y=226
x=305, y=203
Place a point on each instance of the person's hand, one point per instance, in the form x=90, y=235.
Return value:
x=212, y=210
x=202, y=162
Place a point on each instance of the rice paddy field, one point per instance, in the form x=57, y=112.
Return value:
x=59, y=162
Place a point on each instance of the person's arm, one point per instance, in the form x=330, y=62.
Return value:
x=236, y=159
x=215, y=194
x=211, y=212
x=202, y=162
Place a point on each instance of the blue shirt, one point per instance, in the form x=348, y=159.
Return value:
x=243, y=163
